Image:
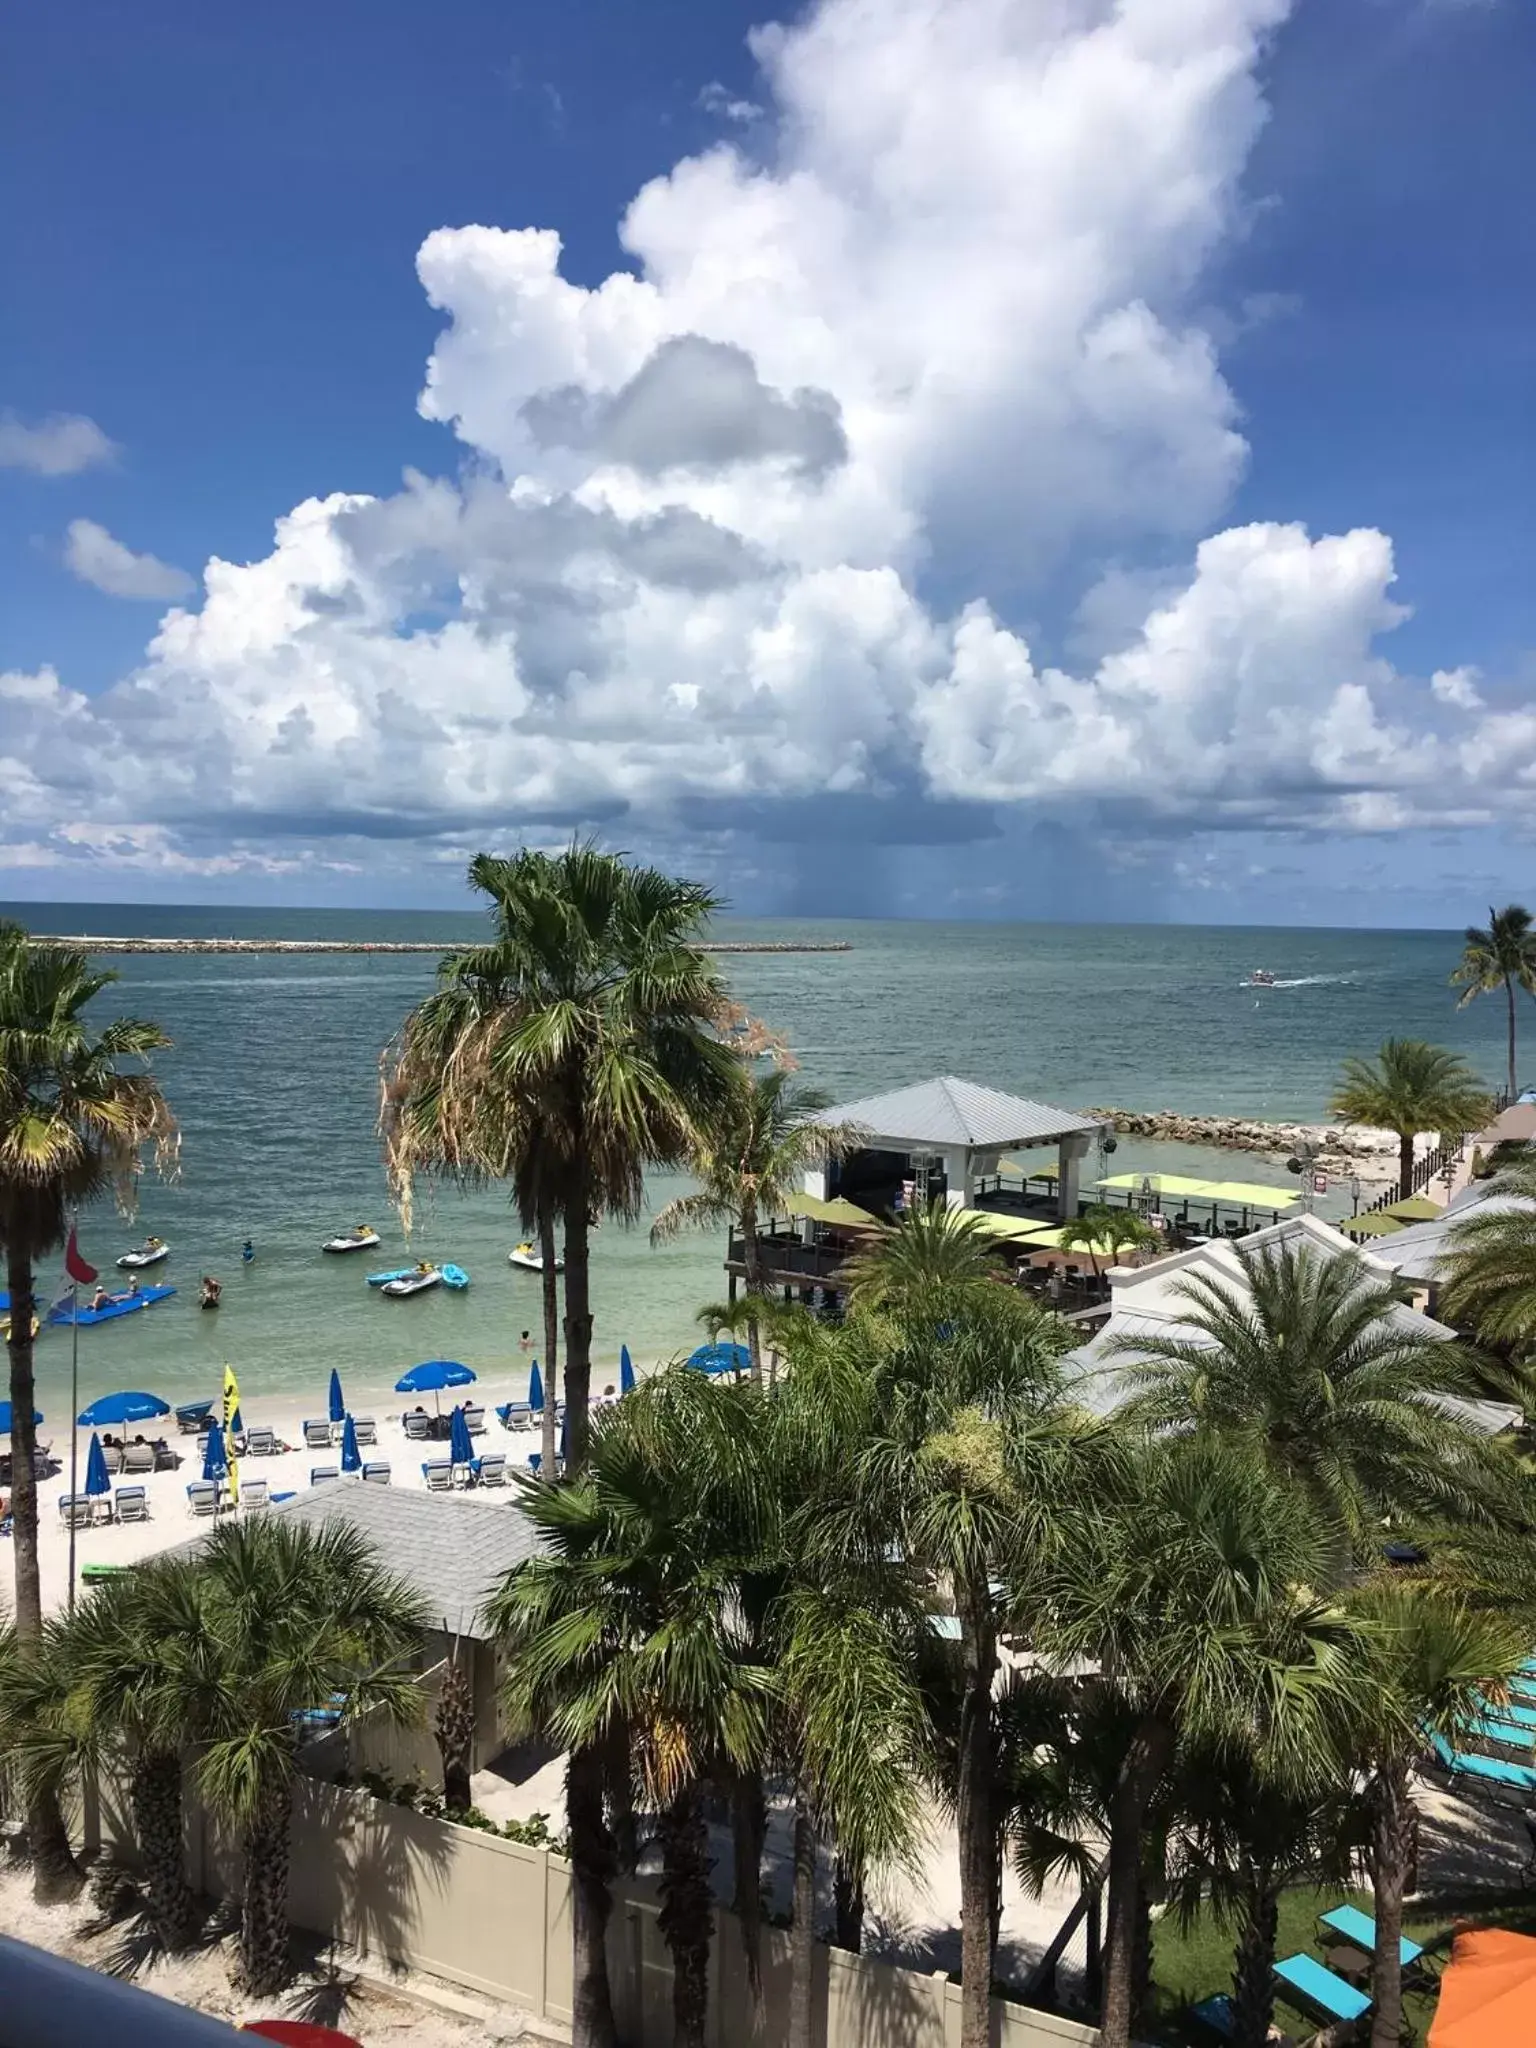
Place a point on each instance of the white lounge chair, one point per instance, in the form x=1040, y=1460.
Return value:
x=132, y=1504
x=138, y=1458
x=515, y=1415
x=78, y=1510
x=253, y=1495
x=261, y=1443
x=367, y=1429
x=317, y=1436
x=376, y=1471
x=322, y=1475
x=493, y=1469
x=418, y=1425
x=474, y=1421
x=202, y=1497
x=438, y=1474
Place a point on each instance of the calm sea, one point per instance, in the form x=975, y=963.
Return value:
x=274, y=1077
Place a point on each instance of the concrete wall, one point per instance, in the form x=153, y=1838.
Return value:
x=494, y=1917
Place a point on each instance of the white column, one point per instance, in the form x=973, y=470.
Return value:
x=1070, y=1154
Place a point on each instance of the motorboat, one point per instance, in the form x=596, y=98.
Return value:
x=531, y=1259
x=1260, y=978
x=415, y=1280
x=362, y=1238
x=149, y=1253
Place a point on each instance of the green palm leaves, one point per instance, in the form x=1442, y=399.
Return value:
x=1500, y=956
x=1408, y=1088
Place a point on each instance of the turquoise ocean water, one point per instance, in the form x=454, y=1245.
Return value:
x=274, y=1078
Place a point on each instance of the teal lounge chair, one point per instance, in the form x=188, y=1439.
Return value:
x=1496, y=1727
x=1463, y=1764
x=1352, y=1925
x=1524, y=1717
x=1304, y=1980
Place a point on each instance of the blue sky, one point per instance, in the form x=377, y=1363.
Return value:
x=1038, y=631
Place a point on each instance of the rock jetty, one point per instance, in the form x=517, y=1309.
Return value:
x=1335, y=1148
x=95, y=944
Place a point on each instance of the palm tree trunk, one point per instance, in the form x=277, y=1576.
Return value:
x=453, y=1728
x=549, y=1443
x=848, y=1903
x=264, y=1896
x=749, y=1827
x=753, y=1264
x=802, y=1936
x=592, y=1863
x=622, y=1820
x=1253, y=1981
x=1405, y=1164
x=1391, y=1847
x=1509, y=991
x=1143, y=1765
x=686, y=1913
x=974, y=1815
x=578, y=1319
x=155, y=1789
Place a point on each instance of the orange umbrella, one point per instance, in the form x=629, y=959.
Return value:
x=1488, y=1992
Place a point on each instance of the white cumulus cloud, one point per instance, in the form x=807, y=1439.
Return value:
x=61, y=445
x=98, y=557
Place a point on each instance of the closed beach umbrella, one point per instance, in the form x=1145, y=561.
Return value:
x=626, y=1371
x=112, y=1409
x=535, y=1387
x=97, y=1478
x=5, y=1417
x=460, y=1449
x=215, y=1459
x=351, y=1456
x=338, y=1406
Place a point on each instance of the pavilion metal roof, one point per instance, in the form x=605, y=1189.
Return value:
x=954, y=1113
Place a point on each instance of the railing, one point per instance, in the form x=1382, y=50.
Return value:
x=46, y=2002
x=787, y=1259
x=1424, y=1172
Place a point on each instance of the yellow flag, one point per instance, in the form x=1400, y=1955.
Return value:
x=231, y=1409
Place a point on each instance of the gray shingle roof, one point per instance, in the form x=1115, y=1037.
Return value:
x=454, y=1552
x=947, y=1111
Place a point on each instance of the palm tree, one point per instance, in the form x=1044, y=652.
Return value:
x=1315, y=1367
x=750, y=1155
x=453, y=1726
x=1501, y=956
x=72, y=1125
x=1104, y=1230
x=296, y=1616
x=929, y=1251
x=1490, y=1284
x=1431, y=1660
x=1411, y=1087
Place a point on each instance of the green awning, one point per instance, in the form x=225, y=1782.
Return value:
x=1252, y=1194
x=1414, y=1209
x=989, y=1223
x=1046, y=1170
x=1375, y=1224
x=1245, y=1193
x=840, y=1214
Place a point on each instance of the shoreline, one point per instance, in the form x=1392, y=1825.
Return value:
x=90, y=943
x=1337, y=1149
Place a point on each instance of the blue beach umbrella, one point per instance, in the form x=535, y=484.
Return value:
x=435, y=1374
x=338, y=1406
x=351, y=1456
x=460, y=1449
x=117, y=1408
x=626, y=1371
x=720, y=1358
x=5, y=1417
x=215, y=1459
x=535, y=1387
x=97, y=1478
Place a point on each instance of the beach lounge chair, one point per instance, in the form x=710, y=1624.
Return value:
x=1522, y=1716
x=1490, y=1770
x=138, y=1458
x=376, y=1471
x=474, y=1421
x=1501, y=1731
x=438, y=1474
x=492, y=1469
x=1350, y=1924
x=261, y=1443
x=515, y=1415
x=132, y=1504
x=317, y=1436
x=322, y=1475
x=1314, y=1989
x=418, y=1425
x=192, y=1416
x=367, y=1429
x=253, y=1495
x=77, y=1509
x=202, y=1497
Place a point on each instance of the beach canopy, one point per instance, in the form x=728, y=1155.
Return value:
x=351, y=1456
x=460, y=1449
x=718, y=1358
x=535, y=1388
x=215, y=1460
x=1487, y=1992
x=626, y=1371
x=1414, y=1209
x=432, y=1376
x=1247, y=1194
x=5, y=1417
x=125, y=1407
x=98, y=1479
x=338, y=1405
x=1040, y=1169
x=1376, y=1223
x=839, y=1213
x=988, y=1223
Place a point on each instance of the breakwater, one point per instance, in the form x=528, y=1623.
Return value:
x=90, y=944
x=1333, y=1148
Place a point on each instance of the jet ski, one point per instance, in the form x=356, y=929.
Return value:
x=416, y=1280
x=531, y=1259
x=149, y=1253
x=361, y=1239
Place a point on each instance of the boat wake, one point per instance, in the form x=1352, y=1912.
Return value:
x=1304, y=981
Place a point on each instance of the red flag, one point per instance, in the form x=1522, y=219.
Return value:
x=74, y=1265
